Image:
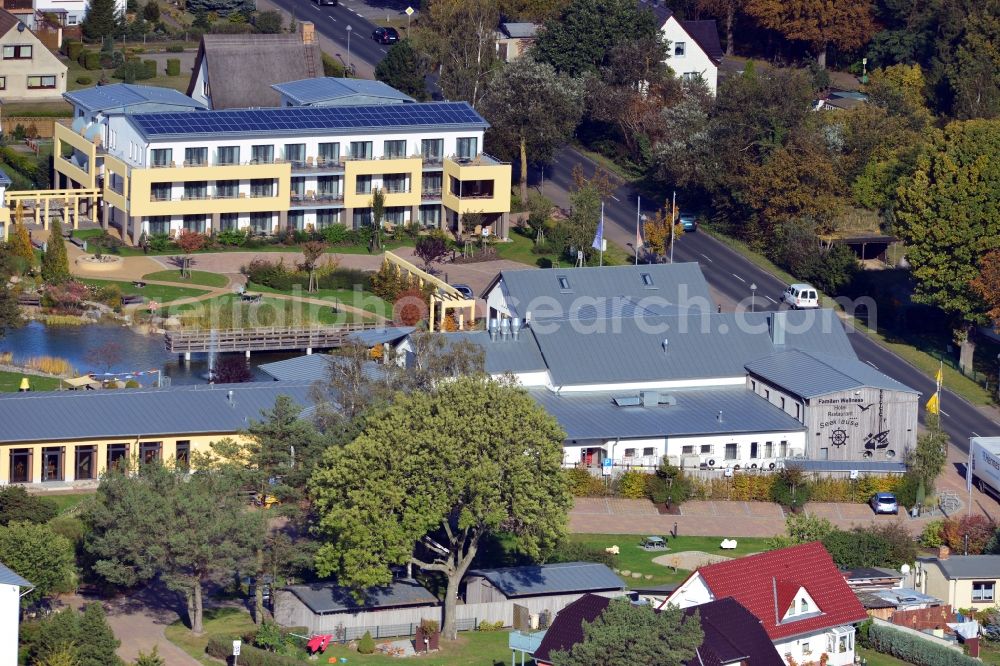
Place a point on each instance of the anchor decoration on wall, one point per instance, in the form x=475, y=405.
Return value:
x=879, y=437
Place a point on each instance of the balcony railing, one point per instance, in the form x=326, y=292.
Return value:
x=482, y=159
x=431, y=194
x=396, y=189
x=311, y=197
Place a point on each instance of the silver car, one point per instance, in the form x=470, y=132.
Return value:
x=884, y=503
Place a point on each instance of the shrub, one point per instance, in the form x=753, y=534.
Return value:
x=669, y=485
x=914, y=649
x=790, y=488
x=71, y=527
x=109, y=294
x=134, y=70
x=367, y=644
x=336, y=234
x=584, y=484
x=173, y=66
x=631, y=484
x=222, y=648
x=232, y=237
x=90, y=60
x=269, y=637
x=973, y=532
x=931, y=536
x=487, y=626
x=73, y=49
x=175, y=48
x=17, y=505
x=84, y=80
x=159, y=242
x=150, y=66
x=574, y=551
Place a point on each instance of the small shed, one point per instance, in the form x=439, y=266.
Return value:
x=492, y=594
x=393, y=610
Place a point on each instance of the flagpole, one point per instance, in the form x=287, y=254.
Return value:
x=638, y=206
x=673, y=221
x=602, y=235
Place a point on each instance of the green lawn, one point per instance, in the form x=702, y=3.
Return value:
x=11, y=381
x=878, y=659
x=472, y=648
x=633, y=558
x=201, y=278
x=153, y=292
x=367, y=300
x=68, y=501
x=520, y=249
x=87, y=234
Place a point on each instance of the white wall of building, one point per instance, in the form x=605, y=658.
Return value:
x=642, y=386
x=810, y=647
x=687, y=59
x=10, y=607
x=691, y=592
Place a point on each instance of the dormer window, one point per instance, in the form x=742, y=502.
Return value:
x=804, y=606
x=647, y=279
x=563, y=282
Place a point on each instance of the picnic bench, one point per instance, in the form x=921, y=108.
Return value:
x=248, y=297
x=132, y=299
x=653, y=543
x=138, y=284
x=29, y=299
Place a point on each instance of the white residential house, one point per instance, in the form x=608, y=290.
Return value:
x=695, y=50
x=12, y=588
x=797, y=593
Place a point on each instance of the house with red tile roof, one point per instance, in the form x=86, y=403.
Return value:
x=797, y=593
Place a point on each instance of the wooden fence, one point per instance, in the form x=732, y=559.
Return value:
x=42, y=127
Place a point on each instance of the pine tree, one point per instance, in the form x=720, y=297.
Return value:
x=97, y=642
x=101, y=19
x=55, y=263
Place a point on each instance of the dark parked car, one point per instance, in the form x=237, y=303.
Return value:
x=332, y=3
x=385, y=35
x=465, y=290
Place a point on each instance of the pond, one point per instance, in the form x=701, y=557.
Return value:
x=82, y=345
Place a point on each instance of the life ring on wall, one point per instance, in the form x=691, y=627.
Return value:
x=771, y=466
x=753, y=466
x=711, y=462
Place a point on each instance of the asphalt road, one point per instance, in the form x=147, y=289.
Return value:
x=332, y=22
x=730, y=276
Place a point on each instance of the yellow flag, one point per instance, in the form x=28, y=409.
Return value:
x=939, y=377
x=934, y=404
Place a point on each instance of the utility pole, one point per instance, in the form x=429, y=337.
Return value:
x=349, y=29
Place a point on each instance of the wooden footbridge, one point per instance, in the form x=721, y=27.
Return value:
x=249, y=340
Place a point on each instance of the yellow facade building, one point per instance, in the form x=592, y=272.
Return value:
x=298, y=168
x=66, y=438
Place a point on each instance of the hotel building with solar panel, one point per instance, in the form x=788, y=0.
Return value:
x=163, y=163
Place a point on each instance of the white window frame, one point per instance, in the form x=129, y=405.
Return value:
x=680, y=49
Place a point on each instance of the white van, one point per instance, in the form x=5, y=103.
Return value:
x=801, y=296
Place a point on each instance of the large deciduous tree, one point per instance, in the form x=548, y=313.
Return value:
x=38, y=554
x=434, y=473
x=726, y=9
x=586, y=31
x=532, y=110
x=460, y=38
x=949, y=215
x=987, y=285
x=189, y=530
x=626, y=634
x=403, y=69
x=846, y=24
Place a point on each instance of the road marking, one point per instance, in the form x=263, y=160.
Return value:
x=358, y=13
x=332, y=19
x=615, y=198
x=770, y=299
x=315, y=7
x=872, y=364
x=707, y=257
x=946, y=413
x=739, y=278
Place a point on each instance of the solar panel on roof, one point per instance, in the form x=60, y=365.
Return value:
x=307, y=118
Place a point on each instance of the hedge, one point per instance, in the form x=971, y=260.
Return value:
x=753, y=487
x=84, y=80
x=150, y=66
x=173, y=66
x=584, y=484
x=915, y=650
x=91, y=60
x=73, y=49
x=222, y=648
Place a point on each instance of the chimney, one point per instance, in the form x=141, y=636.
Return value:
x=650, y=398
x=504, y=328
x=515, y=327
x=308, y=32
x=229, y=396
x=778, y=328
x=944, y=552
x=494, y=326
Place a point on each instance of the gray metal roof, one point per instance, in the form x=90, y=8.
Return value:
x=505, y=355
x=596, y=416
x=566, y=577
x=705, y=345
x=324, y=598
x=376, y=336
x=968, y=566
x=312, y=368
x=329, y=89
x=144, y=412
x=519, y=30
x=557, y=292
x=808, y=374
x=905, y=596
x=121, y=96
x=8, y=577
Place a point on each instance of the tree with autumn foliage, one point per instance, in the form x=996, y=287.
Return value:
x=657, y=230
x=311, y=252
x=726, y=10
x=987, y=285
x=189, y=242
x=846, y=24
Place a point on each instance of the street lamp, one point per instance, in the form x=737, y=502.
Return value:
x=753, y=297
x=349, y=29
x=864, y=75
